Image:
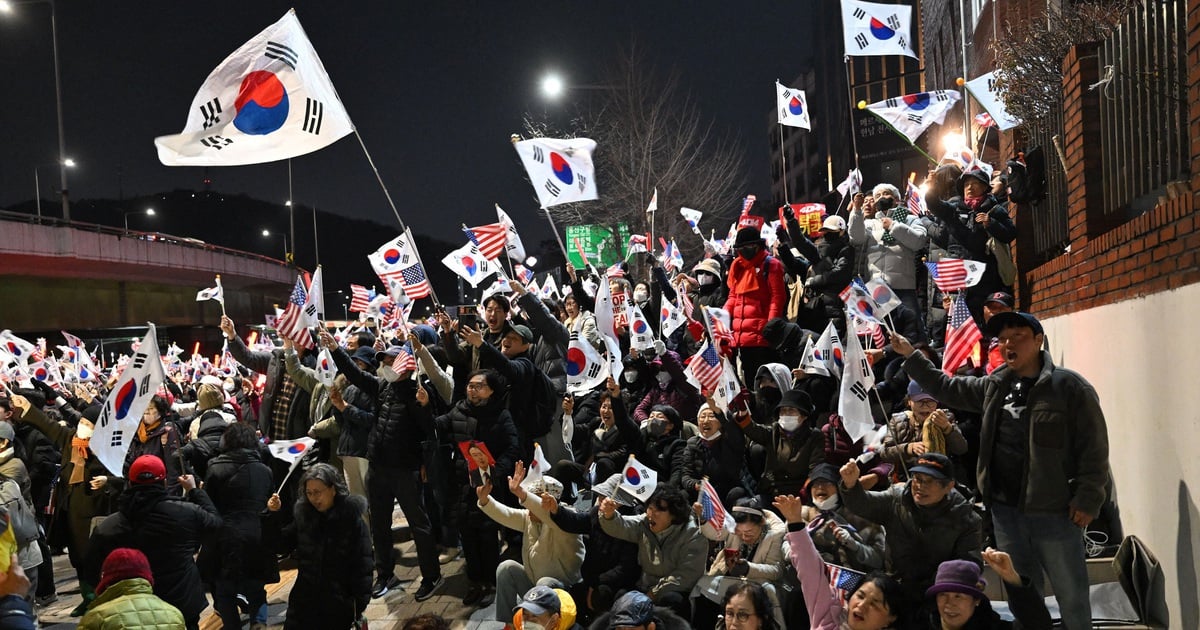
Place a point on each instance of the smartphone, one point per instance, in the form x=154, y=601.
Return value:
x=731, y=556
x=468, y=318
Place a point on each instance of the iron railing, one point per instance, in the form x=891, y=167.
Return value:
x=1143, y=106
x=1049, y=214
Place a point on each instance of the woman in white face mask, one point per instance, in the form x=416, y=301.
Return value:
x=789, y=447
x=840, y=536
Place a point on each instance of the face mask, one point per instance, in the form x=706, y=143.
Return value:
x=658, y=427
x=704, y=279
x=828, y=504
x=748, y=252
x=789, y=423
x=83, y=432
x=386, y=373
x=532, y=625
x=770, y=395
x=640, y=296
x=630, y=376
x=228, y=387
x=712, y=438
x=664, y=379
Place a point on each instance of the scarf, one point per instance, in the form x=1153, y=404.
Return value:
x=973, y=202
x=743, y=273
x=934, y=439
x=143, y=433
x=897, y=214
x=79, y=453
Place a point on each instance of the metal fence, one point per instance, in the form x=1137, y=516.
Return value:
x=1143, y=106
x=1049, y=215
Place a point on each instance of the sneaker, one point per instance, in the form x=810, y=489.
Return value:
x=46, y=600
x=489, y=596
x=474, y=592
x=383, y=584
x=448, y=555
x=427, y=588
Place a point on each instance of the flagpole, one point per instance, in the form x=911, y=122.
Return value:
x=850, y=100
x=783, y=158
x=291, y=214
x=557, y=236
x=910, y=142
x=292, y=469
x=316, y=247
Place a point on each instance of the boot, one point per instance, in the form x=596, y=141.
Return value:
x=89, y=593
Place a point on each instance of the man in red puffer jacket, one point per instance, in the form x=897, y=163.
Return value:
x=757, y=294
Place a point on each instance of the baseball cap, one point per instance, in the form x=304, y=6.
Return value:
x=834, y=223
x=932, y=464
x=522, y=331
x=540, y=600
x=1011, y=319
x=1000, y=297
x=147, y=469
x=916, y=393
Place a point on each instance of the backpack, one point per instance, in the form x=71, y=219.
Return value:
x=20, y=515
x=1027, y=176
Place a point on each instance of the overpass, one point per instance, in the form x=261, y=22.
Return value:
x=84, y=277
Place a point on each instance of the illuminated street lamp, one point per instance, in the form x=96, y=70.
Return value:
x=148, y=212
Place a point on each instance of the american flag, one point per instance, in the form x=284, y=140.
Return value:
x=490, y=239
x=524, y=274
x=961, y=336
x=685, y=303
x=360, y=298
x=291, y=323
x=984, y=119
x=748, y=203
x=705, y=367
x=711, y=509
x=404, y=361
x=416, y=285
x=844, y=581
x=637, y=243
x=916, y=201
x=721, y=335
x=953, y=274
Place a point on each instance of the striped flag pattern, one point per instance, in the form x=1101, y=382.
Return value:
x=844, y=581
x=954, y=274
x=961, y=336
x=705, y=368
x=984, y=119
x=291, y=323
x=712, y=512
x=360, y=298
x=490, y=239
x=404, y=359
x=916, y=202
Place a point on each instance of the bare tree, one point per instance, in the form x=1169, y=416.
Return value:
x=650, y=134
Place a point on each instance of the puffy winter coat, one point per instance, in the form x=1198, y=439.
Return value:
x=396, y=437
x=723, y=461
x=790, y=456
x=671, y=561
x=491, y=424
x=272, y=364
x=551, y=350
x=169, y=531
x=131, y=604
x=239, y=484
x=749, y=312
x=892, y=263
x=832, y=269
x=205, y=446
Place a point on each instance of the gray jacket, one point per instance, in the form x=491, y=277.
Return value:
x=1068, y=438
x=894, y=264
x=672, y=561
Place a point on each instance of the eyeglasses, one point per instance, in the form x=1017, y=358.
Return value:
x=925, y=402
x=476, y=386
x=741, y=616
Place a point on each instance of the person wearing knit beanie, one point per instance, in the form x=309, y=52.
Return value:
x=125, y=596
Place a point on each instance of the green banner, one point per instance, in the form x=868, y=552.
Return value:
x=597, y=243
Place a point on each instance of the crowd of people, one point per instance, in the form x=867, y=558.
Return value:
x=478, y=431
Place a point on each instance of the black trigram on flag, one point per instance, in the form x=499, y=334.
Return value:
x=211, y=112
x=891, y=102
x=916, y=118
x=582, y=181
x=991, y=83
x=552, y=188
x=279, y=52
x=893, y=22
x=314, y=113
x=861, y=40
x=116, y=437
x=941, y=95
x=216, y=142
x=538, y=154
x=903, y=42
x=859, y=391
x=144, y=387
x=594, y=370
x=859, y=13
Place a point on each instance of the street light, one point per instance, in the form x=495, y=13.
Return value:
x=7, y=6
x=553, y=87
x=37, y=181
x=148, y=212
x=287, y=257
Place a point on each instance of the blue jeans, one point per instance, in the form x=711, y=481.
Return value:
x=1051, y=543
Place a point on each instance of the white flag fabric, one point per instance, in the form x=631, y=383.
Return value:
x=611, y=313
x=910, y=115
x=586, y=369
x=871, y=28
x=984, y=90
x=810, y=362
x=828, y=352
x=290, y=451
x=537, y=469
x=792, y=106
x=729, y=388
x=215, y=293
x=314, y=304
x=672, y=317
x=886, y=300
x=561, y=171
x=122, y=411
x=693, y=218
x=854, y=405
x=638, y=480
x=641, y=335
x=270, y=100
x=549, y=288
x=852, y=183
x=500, y=285
x=469, y=264
x=512, y=243
x=653, y=206
x=326, y=369
x=20, y=349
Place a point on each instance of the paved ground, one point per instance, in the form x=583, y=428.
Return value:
x=384, y=614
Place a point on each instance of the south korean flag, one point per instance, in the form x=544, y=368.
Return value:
x=561, y=170
x=871, y=28
x=792, y=106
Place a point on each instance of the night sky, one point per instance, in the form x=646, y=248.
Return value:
x=435, y=89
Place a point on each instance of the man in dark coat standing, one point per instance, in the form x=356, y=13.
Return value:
x=167, y=529
x=284, y=411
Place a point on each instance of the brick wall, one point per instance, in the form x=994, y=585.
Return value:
x=1110, y=261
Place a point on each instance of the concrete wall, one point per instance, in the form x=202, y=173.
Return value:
x=1139, y=355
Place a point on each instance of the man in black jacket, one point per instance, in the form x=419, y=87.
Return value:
x=284, y=411
x=394, y=459
x=512, y=360
x=167, y=529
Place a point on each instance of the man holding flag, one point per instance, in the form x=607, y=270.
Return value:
x=891, y=238
x=283, y=414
